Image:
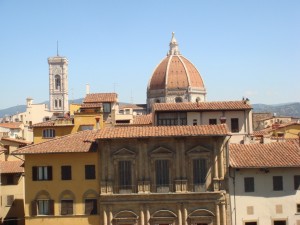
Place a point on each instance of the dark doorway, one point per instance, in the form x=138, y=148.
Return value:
x=280, y=222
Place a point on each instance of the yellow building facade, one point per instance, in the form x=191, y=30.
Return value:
x=129, y=175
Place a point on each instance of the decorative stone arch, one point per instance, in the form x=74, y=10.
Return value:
x=125, y=217
x=201, y=216
x=43, y=194
x=67, y=194
x=163, y=217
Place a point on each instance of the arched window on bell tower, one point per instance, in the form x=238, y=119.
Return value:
x=57, y=83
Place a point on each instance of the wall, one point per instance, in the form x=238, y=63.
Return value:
x=264, y=200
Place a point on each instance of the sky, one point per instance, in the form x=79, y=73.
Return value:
x=241, y=48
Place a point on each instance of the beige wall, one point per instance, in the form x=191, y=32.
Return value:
x=264, y=205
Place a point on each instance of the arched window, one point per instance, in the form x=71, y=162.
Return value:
x=59, y=103
x=42, y=204
x=57, y=82
x=55, y=103
x=178, y=99
x=67, y=203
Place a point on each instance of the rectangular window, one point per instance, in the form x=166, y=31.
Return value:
x=199, y=171
x=280, y=222
x=106, y=107
x=277, y=183
x=41, y=173
x=66, y=207
x=162, y=173
x=48, y=133
x=45, y=207
x=249, y=184
x=66, y=173
x=298, y=208
x=250, y=223
x=212, y=121
x=234, y=125
x=9, y=200
x=90, y=206
x=125, y=174
x=297, y=182
x=90, y=172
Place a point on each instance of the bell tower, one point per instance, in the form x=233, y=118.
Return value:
x=58, y=84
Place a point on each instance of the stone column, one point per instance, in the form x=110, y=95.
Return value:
x=141, y=161
x=216, y=174
x=217, y=214
x=142, y=219
x=104, y=216
x=147, y=215
x=110, y=218
x=184, y=214
x=224, y=214
x=179, y=206
x=221, y=159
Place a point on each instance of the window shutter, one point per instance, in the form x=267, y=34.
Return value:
x=34, y=173
x=51, y=207
x=88, y=206
x=34, y=208
x=49, y=170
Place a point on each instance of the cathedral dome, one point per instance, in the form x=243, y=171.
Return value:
x=175, y=77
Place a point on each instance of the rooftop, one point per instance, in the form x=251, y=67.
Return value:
x=202, y=106
x=276, y=154
x=11, y=166
x=101, y=97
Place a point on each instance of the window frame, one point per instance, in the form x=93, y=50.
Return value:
x=297, y=182
x=234, y=125
x=212, y=121
x=125, y=174
x=249, y=184
x=277, y=183
x=106, y=107
x=42, y=173
x=94, y=201
x=90, y=171
x=48, y=133
x=66, y=207
x=66, y=172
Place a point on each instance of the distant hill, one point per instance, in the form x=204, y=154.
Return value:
x=22, y=108
x=286, y=109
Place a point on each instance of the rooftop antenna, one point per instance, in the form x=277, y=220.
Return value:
x=57, y=48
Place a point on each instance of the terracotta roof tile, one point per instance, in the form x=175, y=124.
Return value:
x=143, y=120
x=162, y=131
x=11, y=166
x=276, y=154
x=20, y=141
x=201, y=106
x=55, y=123
x=77, y=142
x=91, y=105
x=14, y=125
x=100, y=97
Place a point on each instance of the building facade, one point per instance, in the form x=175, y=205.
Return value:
x=129, y=175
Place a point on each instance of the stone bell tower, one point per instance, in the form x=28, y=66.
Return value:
x=58, y=84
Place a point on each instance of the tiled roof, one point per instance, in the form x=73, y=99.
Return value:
x=131, y=106
x=20, y=141
x=13, y=125
x=77, y=142
x=260, y=133
x=201, y=106
x=55, y=123
x=91, y=105
x=100, y=97
x=276, y=154
x=11, y=166
x=142, y=119
x=162, y=131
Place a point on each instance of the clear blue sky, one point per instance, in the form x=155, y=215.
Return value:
x=241, y=48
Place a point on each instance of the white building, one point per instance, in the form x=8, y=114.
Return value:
x=265, y=183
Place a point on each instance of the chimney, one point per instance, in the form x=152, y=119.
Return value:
x=87, y=89
x=97, y=122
